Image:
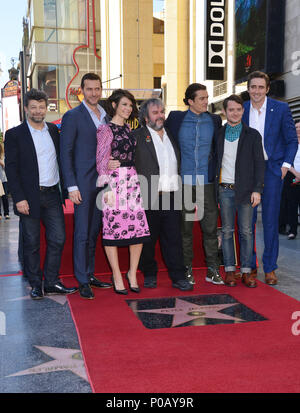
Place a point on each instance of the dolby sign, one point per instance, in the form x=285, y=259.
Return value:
x=215, y=43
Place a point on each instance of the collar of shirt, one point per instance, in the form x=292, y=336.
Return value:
x=33, y=130
x=197, y=115
x=168, y=171
x=262, y=109
x=93, y=114
x=155, y=135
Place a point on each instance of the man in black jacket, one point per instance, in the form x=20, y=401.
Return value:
x=32, y=168
x=239, y=178
x=157, y=162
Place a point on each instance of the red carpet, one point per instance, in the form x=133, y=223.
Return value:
x=123, y=356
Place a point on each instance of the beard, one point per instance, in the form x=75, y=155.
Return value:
x=155, y=126
x=37, y=119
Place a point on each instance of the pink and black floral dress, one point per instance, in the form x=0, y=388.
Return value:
x=124, y=218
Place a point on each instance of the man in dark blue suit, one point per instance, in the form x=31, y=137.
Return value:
x=32, y=168
x=195, y=133
x=78, y=159
x=273, y=120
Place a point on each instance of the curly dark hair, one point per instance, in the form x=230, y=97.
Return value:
x=35, y=94
x=191, y=91
x=115, y=97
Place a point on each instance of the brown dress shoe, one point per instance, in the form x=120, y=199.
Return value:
x=249, y=280
x=237, y=275
x=230, y=279
x=270, y=278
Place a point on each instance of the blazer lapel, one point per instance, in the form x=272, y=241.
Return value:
x=176, y=150
x=149, y=143
x=220, y=142
x=30, y=144
x=54, y=139
x=246, y=114
x=268, y=123
x=241, y=141
x=87, y=117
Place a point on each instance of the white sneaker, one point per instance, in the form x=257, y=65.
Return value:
x=214, y=277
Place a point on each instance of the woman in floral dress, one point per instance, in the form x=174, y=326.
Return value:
x=124, y=219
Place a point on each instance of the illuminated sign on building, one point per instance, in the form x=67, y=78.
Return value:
x=10, y=105
x=10, y=89
x=216, y=46
x=259, y=36
x=73, y=91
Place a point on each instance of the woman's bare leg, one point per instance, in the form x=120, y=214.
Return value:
x=112, y=255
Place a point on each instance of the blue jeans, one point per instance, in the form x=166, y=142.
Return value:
x=245, y=212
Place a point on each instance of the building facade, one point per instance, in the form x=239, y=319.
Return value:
x=55, y=29
x=186, y=25
x=185, y=50
x=117, y=39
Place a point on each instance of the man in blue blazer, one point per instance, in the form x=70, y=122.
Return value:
x=78, y=145
x=195, y=133
x=273, y=120
x=32, y=169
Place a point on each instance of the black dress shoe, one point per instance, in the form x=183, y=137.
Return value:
x=150, y=283
x=85, y=291
x=36, y=293
x=124, y=291
x=59, y=288
x=133, y=289
x=182, y=285
x=94, y=282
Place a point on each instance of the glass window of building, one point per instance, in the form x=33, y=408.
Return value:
x=47, y=82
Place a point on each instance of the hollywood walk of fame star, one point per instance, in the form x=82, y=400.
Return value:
x=64, y=359
x=185, y=311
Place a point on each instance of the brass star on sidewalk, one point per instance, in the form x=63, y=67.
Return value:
x=64, y=359
x=185, y=311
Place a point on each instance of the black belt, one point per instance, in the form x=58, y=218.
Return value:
x=228, y=186
x=48, y=188
x=166, y=192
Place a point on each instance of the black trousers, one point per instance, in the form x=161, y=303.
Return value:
x=293, y=196
x=4, y=200
x=205, y=200
x=53, y=218
x=165, y=225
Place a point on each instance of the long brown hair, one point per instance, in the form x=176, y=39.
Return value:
x=115, y=97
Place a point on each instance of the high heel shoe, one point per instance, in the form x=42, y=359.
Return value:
x=133, y=289
x=124, y=292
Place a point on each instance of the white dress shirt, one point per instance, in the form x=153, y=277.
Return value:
x=46, y=155
x=167, y=161
x=297, y=159
x=257, y=119
x=93, y=115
